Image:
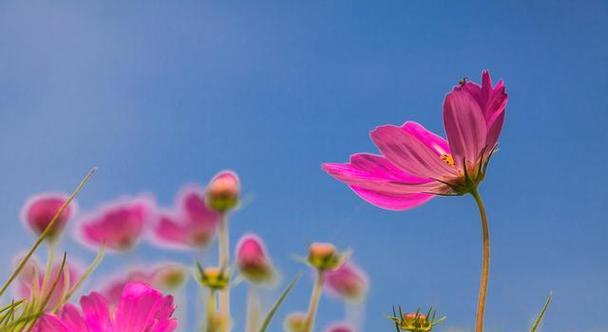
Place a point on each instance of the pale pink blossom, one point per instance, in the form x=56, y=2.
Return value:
x=117, y=226
x=141, y=308
x=166, y=275
x=347, y=281
x=30, y=281
x=417, y=165
x=191, y=225
x=39, y=210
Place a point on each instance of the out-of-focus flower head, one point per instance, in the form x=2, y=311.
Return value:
x=141, y=308
x=192, y=225
x=295, y=322
x=39, y=210
x=253, y=261
x=119, y=225
x=340, y=327
x=167, y=276
x=223, y=191
x=347, y=281
x=31, y=284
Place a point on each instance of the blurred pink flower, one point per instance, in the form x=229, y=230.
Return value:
x=31, y=280
x=348, y=281
x=416, y=164
x=141, y=308
x=340, y=327
x=40, y=209
x=167, y=275
x=252, y=259
x=117, y=226
x=192, y=225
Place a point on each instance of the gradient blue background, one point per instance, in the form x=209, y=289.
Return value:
x=160, y=94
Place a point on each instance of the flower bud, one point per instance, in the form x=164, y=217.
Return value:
x=415, y=322
x=214, y=278
x=252, y=260
x=295, y=322
x=223, y=191
x=347, y=281
x=324, y=256
x=39, y=211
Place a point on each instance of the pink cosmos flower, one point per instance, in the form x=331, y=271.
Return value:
x=193, y=225
x=417, y=165
x=252, y=259
x=347, y=281
x=141, y=308
x=31, y=279
x=40, y=209
x=117, y=226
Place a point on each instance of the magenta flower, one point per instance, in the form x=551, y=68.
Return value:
x=141, y=308
x=31, y=279
x=192, y=225
x=347, y=281
x=252, y=259
x=417, y=165
x=39, y=210
x=117, y=226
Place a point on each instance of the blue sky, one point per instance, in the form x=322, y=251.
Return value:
x=158, y=94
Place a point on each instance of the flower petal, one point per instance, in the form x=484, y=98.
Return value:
x=50, y=323
x=139, y=308
x=96, y=312
x=492, y=101
x=395, y=202
x=427, y=137
x=465, y=126
x=409, y=153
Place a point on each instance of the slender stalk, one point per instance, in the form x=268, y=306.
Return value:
x=46, y=231
x=253, y=309
x=211, y=312
x=485, y=262
x=314, y=302
x=49, y=266
x=224, y=253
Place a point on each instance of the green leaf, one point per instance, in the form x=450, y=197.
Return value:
x=278, y=303
x=541, y=314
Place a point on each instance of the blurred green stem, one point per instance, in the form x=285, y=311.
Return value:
x=253, y=309
x=225, y=264
x=485, y=262
x=314, y=302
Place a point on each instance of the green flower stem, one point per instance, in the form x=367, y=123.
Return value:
x=51, y=246
x=314, y=302
x=485, y=262
x=253, y=309
x=211, y=312
x=225, y=264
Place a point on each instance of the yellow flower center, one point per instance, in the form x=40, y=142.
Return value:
x=448, y=159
